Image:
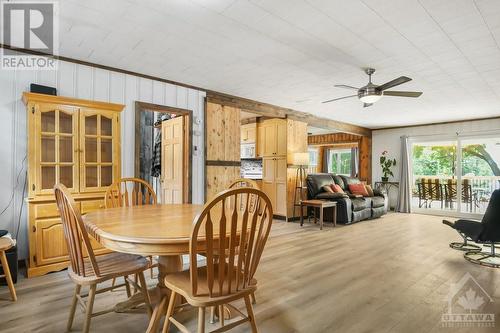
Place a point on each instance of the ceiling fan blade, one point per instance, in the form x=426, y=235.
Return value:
x=346, y=86
x=403, y=93
x=393, y=83
x=365, y=105
x=336, y=99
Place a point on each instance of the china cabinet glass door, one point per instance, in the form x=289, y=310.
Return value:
x=57, y=151
x=97, y=145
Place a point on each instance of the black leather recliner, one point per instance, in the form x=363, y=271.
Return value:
x=487, y=231
x=350, y=208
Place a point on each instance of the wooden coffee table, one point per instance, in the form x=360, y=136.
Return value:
x=321, y=204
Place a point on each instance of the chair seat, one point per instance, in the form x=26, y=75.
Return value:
x=180, y=282
x=111, y=266
x=5, y=244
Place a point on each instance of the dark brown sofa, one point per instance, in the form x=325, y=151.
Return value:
x=350, y=208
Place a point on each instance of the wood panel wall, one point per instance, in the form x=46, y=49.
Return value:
x=364, y=144
x=222, y=147
x=296, y=143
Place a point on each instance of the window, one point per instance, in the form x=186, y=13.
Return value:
x=339, y=161
x=313, y=157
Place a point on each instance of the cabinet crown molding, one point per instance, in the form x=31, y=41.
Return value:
x=34, y=97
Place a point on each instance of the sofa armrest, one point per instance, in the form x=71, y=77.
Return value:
x=379, y=193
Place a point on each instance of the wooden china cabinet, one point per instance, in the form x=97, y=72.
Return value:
x=75, y=142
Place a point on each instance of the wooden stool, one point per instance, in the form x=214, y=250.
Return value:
x=6, y=244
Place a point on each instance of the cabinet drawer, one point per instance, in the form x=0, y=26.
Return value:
x=91, y=205
x=46, y=210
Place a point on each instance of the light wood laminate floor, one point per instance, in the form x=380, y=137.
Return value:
x=391, y=274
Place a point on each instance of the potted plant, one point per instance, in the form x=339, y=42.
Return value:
x=386, y=164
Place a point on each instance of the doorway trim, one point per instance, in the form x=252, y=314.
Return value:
x=188, y=139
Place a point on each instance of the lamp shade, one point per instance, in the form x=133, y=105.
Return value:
x=300, y=159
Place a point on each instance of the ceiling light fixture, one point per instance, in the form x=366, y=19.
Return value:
x=369, y=98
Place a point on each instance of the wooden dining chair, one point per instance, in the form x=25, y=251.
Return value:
x=88, y=270
x=6, y=244
x=128, y=192
x=225, y=277
x=244, y=182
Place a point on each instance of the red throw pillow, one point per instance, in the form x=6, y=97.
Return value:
x=358, y=189
x=337, y=189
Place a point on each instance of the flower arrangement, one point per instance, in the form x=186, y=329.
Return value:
x=386, y=163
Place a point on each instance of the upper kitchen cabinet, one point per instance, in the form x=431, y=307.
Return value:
x=273, y=135
x=249, y=133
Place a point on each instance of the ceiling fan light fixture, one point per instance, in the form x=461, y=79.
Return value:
x=370, y=98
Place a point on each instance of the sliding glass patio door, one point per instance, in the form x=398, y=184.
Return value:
x=434, y=168
x=455, y=176
x=480, y=172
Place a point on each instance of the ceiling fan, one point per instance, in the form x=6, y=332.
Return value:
x=371, y=93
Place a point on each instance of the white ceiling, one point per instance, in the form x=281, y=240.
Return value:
x=291, y=52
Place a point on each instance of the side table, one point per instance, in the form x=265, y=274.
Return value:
x=321, y=204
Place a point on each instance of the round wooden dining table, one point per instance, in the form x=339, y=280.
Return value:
x=157, y=230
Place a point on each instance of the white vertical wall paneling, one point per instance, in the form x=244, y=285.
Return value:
x=128, y=122
x=73, y=80
x=66, y=79
x=100, y=86
x=170, y=95
x=84, y=82
x=158, y=93
x=22, y=83
x=7, y=137
x=182, y=96
x=145, y=90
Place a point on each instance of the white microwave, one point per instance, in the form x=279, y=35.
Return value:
x=248, y=150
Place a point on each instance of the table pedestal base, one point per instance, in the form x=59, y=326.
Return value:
x=159, y=295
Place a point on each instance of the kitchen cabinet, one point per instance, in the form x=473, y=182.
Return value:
x=249, y=133
x=273, y=135
x=274, y=182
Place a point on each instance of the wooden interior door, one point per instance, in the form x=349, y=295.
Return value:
x=172, y=160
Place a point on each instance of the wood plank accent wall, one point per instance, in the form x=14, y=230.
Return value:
x=296, y=143
x=364, y=145
x=222, y=161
